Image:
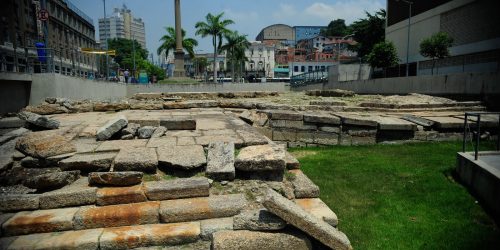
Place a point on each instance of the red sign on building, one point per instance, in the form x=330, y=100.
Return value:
x=43, y=15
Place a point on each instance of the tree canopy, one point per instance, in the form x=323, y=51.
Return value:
x=383, y=55
x=437, y=46
x=368, y=32
x=169, y=42
x=336, y=27
x=235, y=48
x=216, y=27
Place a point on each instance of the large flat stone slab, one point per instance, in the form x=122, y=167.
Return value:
x=446, y=122
x=249, y=240
x=284, y=115
x=322, y=118
x=319, y=209
x=117, y=215
x=111, y=127
x=136, y=159
x=120, y=195
x=19, y=202
x=357, y=119
x=182, y=157
x=44, y=144
x=177, y=188
x=291, y=162
x=178, y=123
x=261, y=158
x=82, y=239
x=89, y=162
x=210, y=226
x=258, y=220
x=149, y=235
x=393, y=123
x=39, y=120
x=216, y=206
x=303, y=186
x=77, y=194
x=40, y=221
x=122, y=178
x=220, y=161
x=116, y=145
x=293, y=214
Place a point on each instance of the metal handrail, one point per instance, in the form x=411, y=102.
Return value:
x=478, y=130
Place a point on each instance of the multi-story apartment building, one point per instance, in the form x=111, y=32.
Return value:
x=62, y=36
x=122, y=24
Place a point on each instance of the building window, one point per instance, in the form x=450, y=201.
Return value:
x=295, y=68
x=302, y=68
x=310, y=68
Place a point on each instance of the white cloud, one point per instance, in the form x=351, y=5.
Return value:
x=347, y=10
x=284, y=12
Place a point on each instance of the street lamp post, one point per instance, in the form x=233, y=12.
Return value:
x=408, y=38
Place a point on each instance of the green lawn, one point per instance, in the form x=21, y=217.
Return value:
x=399, y=196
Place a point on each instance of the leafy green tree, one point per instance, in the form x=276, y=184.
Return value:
x=235, y=48
x=169, y=43
x=124, y=51
x=383, y=55
x=368, y=32
x=336, y=27
x=436, y=47
x=216, y=27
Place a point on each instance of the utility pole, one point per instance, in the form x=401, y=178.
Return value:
x=408, y=36
x=105, y=37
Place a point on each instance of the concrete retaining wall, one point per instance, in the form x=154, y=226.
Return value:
x=55, y=85
x=207, y=87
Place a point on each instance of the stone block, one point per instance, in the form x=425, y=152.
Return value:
x=145, y=132
x=284, y=115
x=291, y=162
x=284, y=135
x=210, y=226
x=305, y=136
x=182, y=157
x=220, y=161
x=319, y=209
x=12, y=122
x=40, y=221
x=293, y=214
x=89, y=162
x=303, y=186
x=324, y=138
x=298, y=125
x=178, y=123
x=159, y=132
x=120, y=195
x=216, y=206
x=76, y=194
x=136, y=159
x=330, y=129
x=185, y=141
x=177, y=188
x=82, y=239
x=129, y=237
x=162, y=142
x=247, y=240
x=146, y=121
x=124, y=178
x=251, y=138
x=38, y=120
x=116, y=145
x=111, y=127
x=44, y=144
x=258, y=220
x=117, y=215
x=52, y=180
x=261, y=158
x=106, y=106
x=19, y=202
x=322, y=118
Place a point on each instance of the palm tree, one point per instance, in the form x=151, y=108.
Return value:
x=169, y=42
x=235, y=48
x=216, y=28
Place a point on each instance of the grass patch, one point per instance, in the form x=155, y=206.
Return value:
x=399, y=196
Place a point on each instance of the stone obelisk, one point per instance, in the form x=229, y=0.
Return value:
x=179, y=51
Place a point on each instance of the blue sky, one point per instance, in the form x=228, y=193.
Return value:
x=250, y=16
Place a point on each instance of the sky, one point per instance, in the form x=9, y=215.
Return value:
x=250, y=16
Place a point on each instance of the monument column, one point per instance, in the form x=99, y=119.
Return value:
x=179, y=51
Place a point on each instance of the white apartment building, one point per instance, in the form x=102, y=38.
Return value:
x=122, y=24
x=260, y=59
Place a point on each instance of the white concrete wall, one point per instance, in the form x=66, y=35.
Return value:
x=55, y=85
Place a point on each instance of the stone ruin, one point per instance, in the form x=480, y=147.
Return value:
x=165, y=170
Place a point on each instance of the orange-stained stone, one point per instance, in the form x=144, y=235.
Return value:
x=318, y=209
x=40, y=221
x=120, y=195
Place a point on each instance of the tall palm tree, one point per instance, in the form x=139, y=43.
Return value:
x=216, y=28
x=169, y=42
x=235, y=48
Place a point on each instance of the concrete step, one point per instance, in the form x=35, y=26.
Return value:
x=40, y=221
x=117, y=215
x=120, y=195
x=216, y=206
x=109, y=238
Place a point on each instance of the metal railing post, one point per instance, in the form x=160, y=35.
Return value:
x=478, y=136
x=465, y=133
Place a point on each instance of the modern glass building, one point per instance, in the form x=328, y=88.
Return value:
x=307, y=32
